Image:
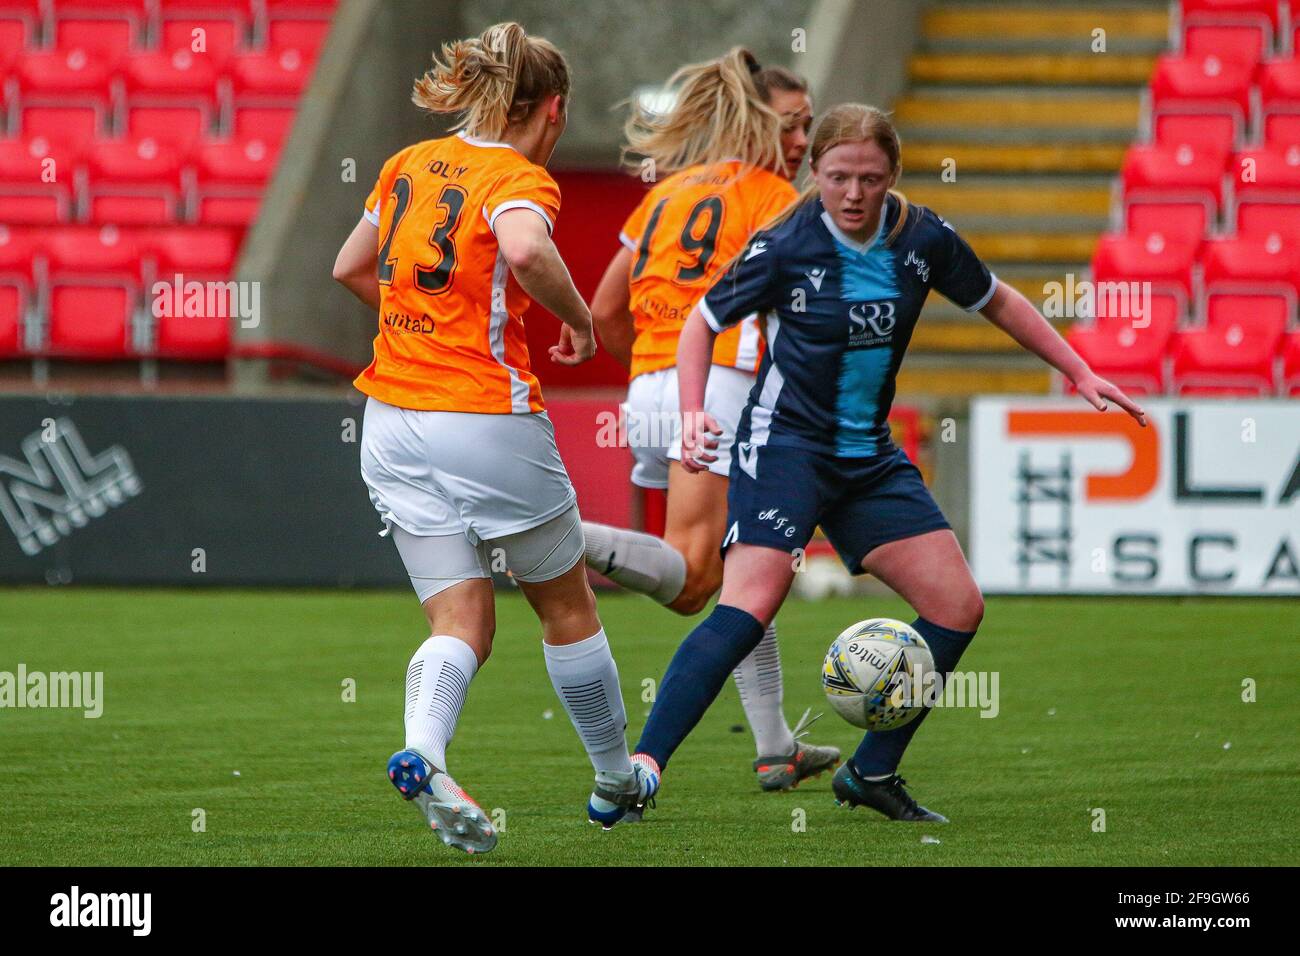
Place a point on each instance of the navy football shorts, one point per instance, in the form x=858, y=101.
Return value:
x=779, y=495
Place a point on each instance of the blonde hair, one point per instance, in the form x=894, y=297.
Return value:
x=719, y=114
x=493, y=80
x=855, y=123
x=771, y=78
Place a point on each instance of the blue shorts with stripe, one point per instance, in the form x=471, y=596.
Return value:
x=778, y=495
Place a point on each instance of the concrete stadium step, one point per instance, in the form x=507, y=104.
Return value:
x=969, y=375
x=992, y=110
x=936, y=336
x=1127, y=25
x=1063, y=247
x=930, y=153
x=1044, y=69
x=991, y=196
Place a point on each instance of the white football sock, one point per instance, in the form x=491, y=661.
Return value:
x=758, y=678
x=639, y=562
x=586, y=679
x=436, y=681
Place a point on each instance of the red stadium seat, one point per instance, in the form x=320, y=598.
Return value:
x=1134, y=359
x=1127, y=343
x=230, y=178
x=137, y=10
x=1235, y=353
x=279, y=74
x=1265, y=219
x=20, y=250
x=1187, y=220
x=13, y=41
x=1282, y=130
x=238, y=162
x=27, y=11
x=269, y=124
x=300, y=9
x=1249, y=44
x=225, y=210
x=64, y=127
x=1254, y=263
x=90, y=321
x=1184, y=169
x=1218, y=11
x=191, y=250
x=1279, y=92
x=193, y=337
x=213, y=9
x=1160, y=316
x=1269, y=173
x=305, y=36
x=182, y=126
x=1291, y=365
x=58, y=74
x=1279, y=84
x=1163, y=261
x=92, y=250
x=1215, y=134
x=36, y=180
x=110, y=39
x=1202, y=84
x=13, y=305
x=133, y=181
x=173, y=73
x=220, y=38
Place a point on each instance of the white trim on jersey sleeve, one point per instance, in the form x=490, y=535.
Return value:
x=372, y=215
x=518, y=204
x=984, y=300
x=627, y=240
x=709, y=317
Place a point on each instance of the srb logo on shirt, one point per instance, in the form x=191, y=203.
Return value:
x=879, y=317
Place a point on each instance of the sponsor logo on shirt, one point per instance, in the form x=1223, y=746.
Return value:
x=871, y=323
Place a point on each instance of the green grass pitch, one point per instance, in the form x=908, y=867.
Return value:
x=232, y=702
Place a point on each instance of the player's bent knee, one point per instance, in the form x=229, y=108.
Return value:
x=967, y=612
x=690, y=601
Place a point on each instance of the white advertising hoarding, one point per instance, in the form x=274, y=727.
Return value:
x=1204, y=500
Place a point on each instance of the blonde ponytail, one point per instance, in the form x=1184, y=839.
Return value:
x=718, y=114
x=493, y=81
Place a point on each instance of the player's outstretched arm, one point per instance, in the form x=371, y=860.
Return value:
x=355, y=265
x=537, y=267
x=694, y=358
x=610, y=308
x=1014, y=314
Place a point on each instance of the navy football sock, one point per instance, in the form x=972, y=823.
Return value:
x=694, y=677
x=880, y=751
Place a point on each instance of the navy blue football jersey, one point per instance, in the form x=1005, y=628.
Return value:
x=839, y=316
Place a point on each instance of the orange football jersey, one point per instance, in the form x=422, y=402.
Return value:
x=686, y=229
x=451, y=331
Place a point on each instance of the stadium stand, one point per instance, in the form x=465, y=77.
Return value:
x=1208, y=207
x=138, y=139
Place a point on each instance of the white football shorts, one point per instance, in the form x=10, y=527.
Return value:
x=464, y=478
x=653, y=422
